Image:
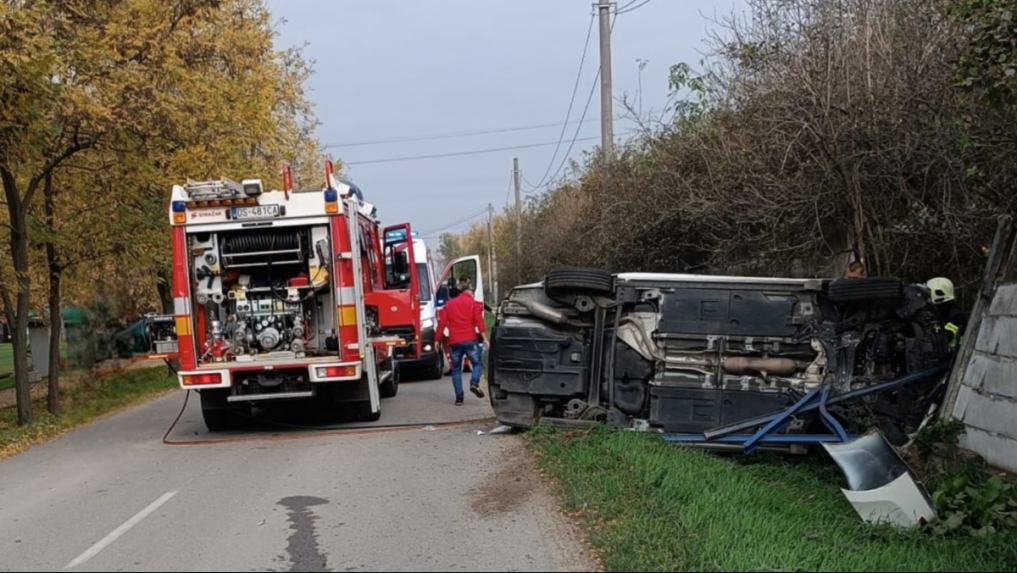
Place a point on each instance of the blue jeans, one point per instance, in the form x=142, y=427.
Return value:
x=472, y=351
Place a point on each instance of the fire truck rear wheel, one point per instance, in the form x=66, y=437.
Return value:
x=365, y=414
x=219, y=415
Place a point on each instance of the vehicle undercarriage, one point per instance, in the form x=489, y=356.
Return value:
x=721, y=362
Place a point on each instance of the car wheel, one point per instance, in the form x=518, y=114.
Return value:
x=865, y=290
x=436, y=371
x=573, y=280
x=390, y=387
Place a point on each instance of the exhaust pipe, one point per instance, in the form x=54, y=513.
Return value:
x=547, y=313
x=742, y=365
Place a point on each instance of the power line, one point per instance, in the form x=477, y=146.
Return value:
x=572, y=101
x=459, y=153
x=625, y=9
x=589, y=100
x=435, y=231
x=448, y=135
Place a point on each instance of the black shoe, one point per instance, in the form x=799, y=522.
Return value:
x=459, y=402
x=476, y=390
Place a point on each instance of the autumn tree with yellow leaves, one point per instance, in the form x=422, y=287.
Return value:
x=104, y=105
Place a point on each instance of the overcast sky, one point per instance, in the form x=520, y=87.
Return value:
x=410, y=69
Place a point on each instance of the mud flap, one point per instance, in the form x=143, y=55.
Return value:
x=881, y=487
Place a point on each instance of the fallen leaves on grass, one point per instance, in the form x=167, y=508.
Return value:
x=84, y=403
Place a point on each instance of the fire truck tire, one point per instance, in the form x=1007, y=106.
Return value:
x=365, y=414
x=215, y=420
x=219, y=415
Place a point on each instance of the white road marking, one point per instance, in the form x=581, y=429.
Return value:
x=118, y=532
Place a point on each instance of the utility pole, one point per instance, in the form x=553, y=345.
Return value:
x=492, y=263
x=606, y=99
x=516, y=176
x=606, y=109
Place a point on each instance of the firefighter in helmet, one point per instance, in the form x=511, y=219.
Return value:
x=954, y=319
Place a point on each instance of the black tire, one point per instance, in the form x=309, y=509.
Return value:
x=213, y=410
x=865, y=290
x=573, y=280
x=436, y=371
x=390, y=387
x=364, y=413
x=220, y=415
x=215, y=419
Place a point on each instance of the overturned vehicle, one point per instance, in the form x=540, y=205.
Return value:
x=721, y=362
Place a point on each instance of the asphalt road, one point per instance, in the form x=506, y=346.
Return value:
x=114, y=497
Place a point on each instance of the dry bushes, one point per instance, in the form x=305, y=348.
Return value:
x=821, y=131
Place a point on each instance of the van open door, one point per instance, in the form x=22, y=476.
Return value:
x=463, y=267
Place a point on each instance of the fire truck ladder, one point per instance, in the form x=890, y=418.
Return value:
x=222, y=189
x=366, y=343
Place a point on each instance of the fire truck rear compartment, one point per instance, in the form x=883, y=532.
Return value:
x=266, y=294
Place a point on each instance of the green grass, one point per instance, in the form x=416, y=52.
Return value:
x=652, y=506
x=7, y=365
x=83, y=403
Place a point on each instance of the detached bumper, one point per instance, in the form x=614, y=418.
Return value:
x=881, y=488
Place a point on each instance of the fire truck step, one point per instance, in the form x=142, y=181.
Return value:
x=276, y=396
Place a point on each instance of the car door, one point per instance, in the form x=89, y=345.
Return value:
x=468, y=267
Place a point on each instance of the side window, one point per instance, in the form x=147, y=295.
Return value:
x=424, y=281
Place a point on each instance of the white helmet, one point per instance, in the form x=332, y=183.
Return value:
x=940, y=290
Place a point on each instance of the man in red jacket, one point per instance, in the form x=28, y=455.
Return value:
x=464, y=318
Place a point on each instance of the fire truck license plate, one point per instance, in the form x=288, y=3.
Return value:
x=259, y=212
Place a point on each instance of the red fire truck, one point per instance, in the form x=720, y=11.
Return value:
x=282, y=295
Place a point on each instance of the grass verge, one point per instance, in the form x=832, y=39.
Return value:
x=7, y=366
x=83, y=403
x=7, y=363
x=652, y=506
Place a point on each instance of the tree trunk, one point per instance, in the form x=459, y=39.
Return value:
x=20, y=342
x=55, y=276
x=19, y=248
x=17, y=310
x=55, y=331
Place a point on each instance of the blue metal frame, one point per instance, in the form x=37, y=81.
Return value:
x=740, y=439
x=773, y=424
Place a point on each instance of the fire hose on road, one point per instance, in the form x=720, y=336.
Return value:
x=318, y=431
